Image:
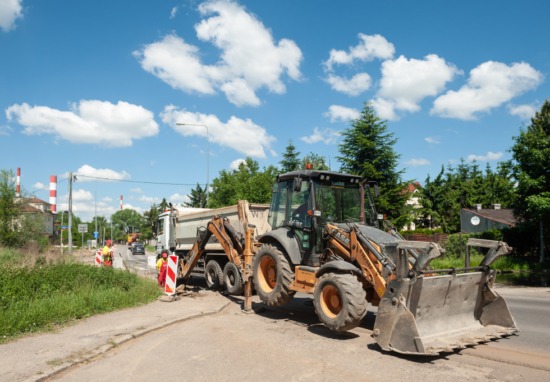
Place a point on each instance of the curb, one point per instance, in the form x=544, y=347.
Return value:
x=114, y=343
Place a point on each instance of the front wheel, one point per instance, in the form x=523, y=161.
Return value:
x=272, y=276
x=340, y=301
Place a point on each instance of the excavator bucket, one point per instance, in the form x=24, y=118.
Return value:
x=425, y=313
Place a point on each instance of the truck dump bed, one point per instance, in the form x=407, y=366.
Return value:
x=187, y=223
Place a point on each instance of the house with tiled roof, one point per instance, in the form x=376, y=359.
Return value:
x=35, y=206
x=480, y=219
x=413, y=189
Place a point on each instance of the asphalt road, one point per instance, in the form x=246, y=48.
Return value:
x=289, y=344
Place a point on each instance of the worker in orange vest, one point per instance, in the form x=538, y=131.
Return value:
x=162, y=268
x=107, y=253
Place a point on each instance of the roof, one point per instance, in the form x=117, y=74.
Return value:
x=412, y=187
x=34, y=200
x=313, y=174
x=27, y=208
x=503, y=215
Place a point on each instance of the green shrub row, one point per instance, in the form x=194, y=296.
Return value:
x=38, y=298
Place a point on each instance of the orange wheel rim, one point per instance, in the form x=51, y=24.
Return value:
x=331, y=303
x=267, y=276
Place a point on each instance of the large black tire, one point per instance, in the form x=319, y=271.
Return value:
x=272, y=276
x=340, y=301
x=213, y=274
x=232, y=279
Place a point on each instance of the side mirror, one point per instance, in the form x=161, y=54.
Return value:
x=297, y=185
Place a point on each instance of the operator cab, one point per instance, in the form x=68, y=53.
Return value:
x=305, y=201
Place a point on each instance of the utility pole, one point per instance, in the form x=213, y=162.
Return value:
x=70, y=244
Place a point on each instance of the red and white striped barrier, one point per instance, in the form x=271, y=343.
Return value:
x=98, y=258
x=171, y=275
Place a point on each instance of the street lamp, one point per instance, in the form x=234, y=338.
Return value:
x=207, y=152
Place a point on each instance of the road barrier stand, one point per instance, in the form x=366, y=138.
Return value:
x=98, y=258
x=171, y=275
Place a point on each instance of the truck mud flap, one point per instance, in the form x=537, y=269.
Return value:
x=429, y=315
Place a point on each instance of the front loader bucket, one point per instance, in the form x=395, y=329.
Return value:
x=427, y=315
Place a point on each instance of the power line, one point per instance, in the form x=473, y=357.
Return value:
x=135, y=181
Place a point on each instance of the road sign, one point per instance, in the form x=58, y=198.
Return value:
x=83, y=228
x=64, y=227
x=96, y=234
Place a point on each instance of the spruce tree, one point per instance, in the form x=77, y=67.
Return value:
x=367, y=150
x=290, y=161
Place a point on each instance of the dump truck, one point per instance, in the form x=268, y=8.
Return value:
x=177, y=229
x=318, y=242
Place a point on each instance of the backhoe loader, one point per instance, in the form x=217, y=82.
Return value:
x=319, y=243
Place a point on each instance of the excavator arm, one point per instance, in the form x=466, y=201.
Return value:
x=355, y=248
x=225, y=234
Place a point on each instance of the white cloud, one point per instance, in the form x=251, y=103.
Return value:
x=490, y=85
x=432, y=140
x=416, y=162
x=369, y=48
x=39, y=186
x=89, y=121
x=10, y=11
x=5, y=130
x=85, y=205
x=236, y=163
x=87, y=173
x=490, y=156
x=150, y=199
x=242, y=135
x=356, y=85
x=406, y=82
x=173, y=12
x=384, y=108
x=249, y=60
x=522, y=111
x=337, y=113
x=178, y=198
x=326, y=136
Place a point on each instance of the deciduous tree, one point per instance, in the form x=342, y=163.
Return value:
x=531, y=153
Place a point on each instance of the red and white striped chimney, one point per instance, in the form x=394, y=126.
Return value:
x=121, y=202
x=18, y=183
x=53, y=193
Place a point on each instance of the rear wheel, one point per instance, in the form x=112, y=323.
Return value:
x=213, y=275
x=232, y=279
x=340, y=301
x=272, y=276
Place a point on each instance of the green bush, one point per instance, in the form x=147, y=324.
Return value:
x=34, y=299
x=422, y=231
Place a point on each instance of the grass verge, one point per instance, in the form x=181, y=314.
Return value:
x=41, y=294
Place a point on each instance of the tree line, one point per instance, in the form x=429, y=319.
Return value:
x=367, y=150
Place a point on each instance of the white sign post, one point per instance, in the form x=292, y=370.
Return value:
x=82, y=228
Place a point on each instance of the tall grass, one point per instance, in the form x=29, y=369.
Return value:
x=50, y=292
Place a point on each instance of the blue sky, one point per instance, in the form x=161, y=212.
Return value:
x=97, y=87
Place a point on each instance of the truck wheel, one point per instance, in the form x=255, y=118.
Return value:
x=213, y=275
x=232, y=279
x=340, y=301
x=272, y=276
